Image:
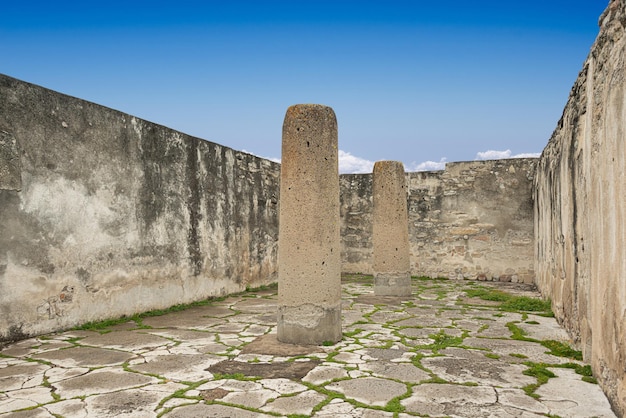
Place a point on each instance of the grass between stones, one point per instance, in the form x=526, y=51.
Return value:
x=101, y=326
x=540, y=370
x=511, y=303
x=440, y=340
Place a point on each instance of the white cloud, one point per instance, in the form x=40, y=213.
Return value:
x=528, y=155
x=274, y=159
x=503, y=155
x=350, y=164
x=428, y=165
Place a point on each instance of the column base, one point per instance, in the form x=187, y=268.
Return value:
x=392, y=284
x=309, y=324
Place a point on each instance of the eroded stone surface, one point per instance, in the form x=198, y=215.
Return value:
x=309, y=249
x=389, y=346
x=84, y=357
x=568, y=396
x=471, y=366
x=369, y=390
x=101, y=381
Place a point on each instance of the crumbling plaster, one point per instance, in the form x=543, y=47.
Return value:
x=104, y=214
x=580, y=210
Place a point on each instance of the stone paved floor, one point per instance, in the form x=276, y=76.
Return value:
x=439, y=353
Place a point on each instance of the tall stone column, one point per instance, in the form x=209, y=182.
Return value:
x=392, y=265
x=309, y=259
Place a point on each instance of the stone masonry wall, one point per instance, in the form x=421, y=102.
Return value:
x=580, y=210
x=473, y=220
x=103, y=214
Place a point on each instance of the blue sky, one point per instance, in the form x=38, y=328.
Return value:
x=414, y=81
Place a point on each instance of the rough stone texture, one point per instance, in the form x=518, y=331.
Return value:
x=392, y=276
x=104, y=214
x=309, y=275
x=10, y=164
x=580, y=212
x=480, y=373
x=473, y=220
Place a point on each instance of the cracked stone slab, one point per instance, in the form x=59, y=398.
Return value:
x=179, y=367
x=256, y=305
x=371, y=299
x=21, y=376
x=405, y=372
x=547, y=329
x=85, y=357
x=75, y=408
x=425, y=321
x=39, y=395
x=190, y=337
x=567, y=395
x=187, y=319
x=268, y=319
x=377, y=360
x=8, y=404
x=126, y=341
x=339, y=408
x=135, y=403
x=31, y=413
x=369, y=390
x=471, y=366
x=325, y=373
x=533, y=351
x=302, y=403
x=42, y=346
x=384, y=353
x=517, y=398
x=283, y=386
x=102, y=381
x=486, y=411
x=288, y=370
x=215, y=311
x=436, y=399
x=203, y=410
x=251, y=398
x=229, y=328
x=269, y=344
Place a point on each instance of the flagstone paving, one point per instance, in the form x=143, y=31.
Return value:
x=443, y=352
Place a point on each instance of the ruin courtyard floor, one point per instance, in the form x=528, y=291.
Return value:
x=452, y=349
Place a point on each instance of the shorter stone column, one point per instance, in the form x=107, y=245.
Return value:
x=309, y=251
x=392, y=265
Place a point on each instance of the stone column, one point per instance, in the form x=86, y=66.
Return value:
x=309, y=259
x=392, y=266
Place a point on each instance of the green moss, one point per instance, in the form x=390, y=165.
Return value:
x=560, y=349
x=518, y=333
x=589, y=379
x=488, y=294
x=526, y=304
x=394, y=406
x=492, y=356
x=539, y=371
x=351, y=334
x=518, y=355
x=233, y=376
x=482, y=328
x=430, y=279
x=442, y=341
x=101, y=326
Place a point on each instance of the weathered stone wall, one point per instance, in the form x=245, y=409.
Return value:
x=580, y=212
x=103, y=214
x=473, y=220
